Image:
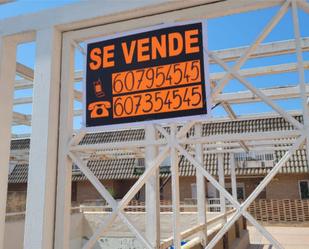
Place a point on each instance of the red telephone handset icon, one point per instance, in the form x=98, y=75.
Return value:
x=99, y=109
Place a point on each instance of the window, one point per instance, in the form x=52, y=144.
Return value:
x=139, y=167
x=240, y=190
x=304, y=189
x=254, y=159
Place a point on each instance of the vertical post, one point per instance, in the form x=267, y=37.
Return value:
x=234, y=188
x=152, y=191
x=222, y=198
x=233, y=176
x=64, y=177
x=200, y=187
x=175, y=188
x=301, y=75
x=7, y=79
x=39, y=223
x=221, y=181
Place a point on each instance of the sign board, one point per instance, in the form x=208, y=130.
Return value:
x=147, y=75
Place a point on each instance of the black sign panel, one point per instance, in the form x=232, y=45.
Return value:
x=147, y=75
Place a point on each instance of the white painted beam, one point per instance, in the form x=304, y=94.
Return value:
x=7, y=77
x=284, y=92
x=233, y=116
x=250, y=72
x=152, y=191
x=304, y=5
x=200, y=188
x=269, y=135
x=301, y=75
x=265, y=70
x=233, y=176
x=6, y=1
x=21, y=119
x=23, y=101
x=220, y=165
x=39, y=221
x=64, y=179
x=69, y=17
x=264, y=50
x=268, y=101
x=175, y=189
x=280, y=92
x=23, y=84
x=24, y=71
x=241, y=61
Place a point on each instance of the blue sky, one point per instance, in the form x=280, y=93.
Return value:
x=231, y=31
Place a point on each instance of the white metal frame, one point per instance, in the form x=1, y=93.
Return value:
x=79, y=29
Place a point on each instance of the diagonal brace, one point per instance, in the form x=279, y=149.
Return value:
x=259, y=93
x=241, y=209
x=103, y=227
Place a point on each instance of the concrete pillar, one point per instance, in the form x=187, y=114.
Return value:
x=64, y=178
x=175, y=189
x=39, y=223
x=221, y=181
x=200, y=187
x=152, y=191
x=7, y=79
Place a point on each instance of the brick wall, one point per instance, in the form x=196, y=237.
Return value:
x=285, y=186
x=118, y=188
x=281, y=187
x=16, y=201
x=16, y=197
x=184, y=186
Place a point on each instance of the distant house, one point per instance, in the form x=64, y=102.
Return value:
x=118, y=173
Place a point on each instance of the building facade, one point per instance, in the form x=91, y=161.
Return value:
x=119, y=173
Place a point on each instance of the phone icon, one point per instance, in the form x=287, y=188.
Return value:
x=99, y=109
x=98, y=89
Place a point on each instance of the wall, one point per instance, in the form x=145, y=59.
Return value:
x=16, y=201
x=16, y=197
x=250, y=185
x=184, y=186
x=282, y=187
x=14, y=231
x=83, y=226
x=187, y=220
x=285, y=186
x=86, y=191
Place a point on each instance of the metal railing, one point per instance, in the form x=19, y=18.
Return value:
x=212, y=204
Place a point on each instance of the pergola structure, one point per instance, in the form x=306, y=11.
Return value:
x=53, y=147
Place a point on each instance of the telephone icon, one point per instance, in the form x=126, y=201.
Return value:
x=99, y=109
x=98, y=89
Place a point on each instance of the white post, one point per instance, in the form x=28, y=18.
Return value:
x=234, y=185
x=64, y=178
x=233, y=176
x=221, y=181
x=7, y=79
x=301, y=74
x=152, y=191
x=39, y=223
x=200, y=187
x=175, y=189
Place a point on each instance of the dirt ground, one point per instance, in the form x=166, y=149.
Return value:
x=288, y=237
